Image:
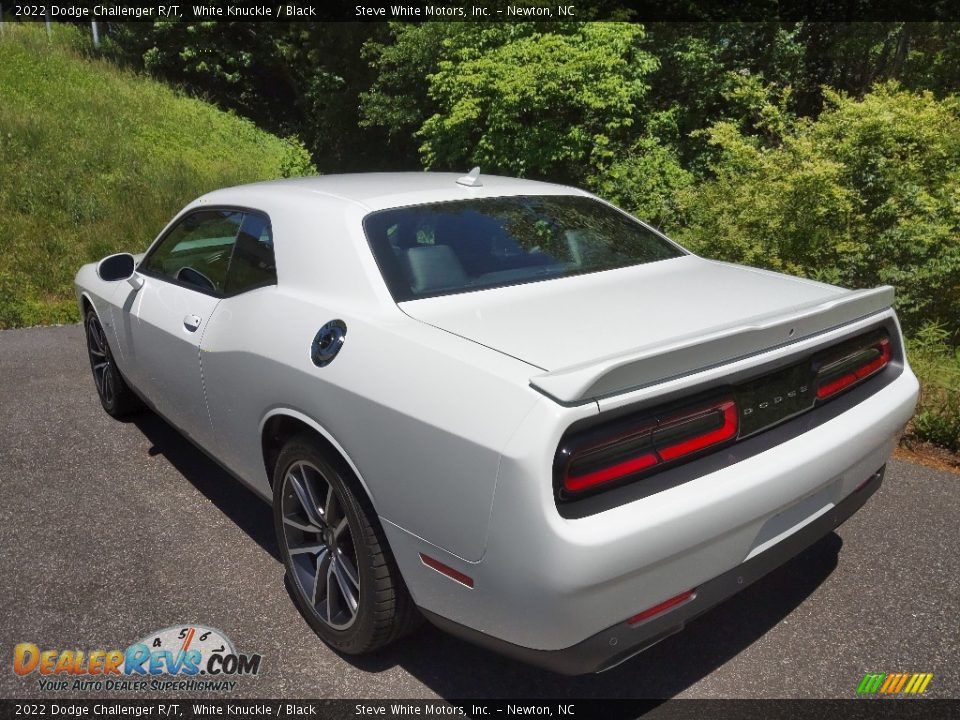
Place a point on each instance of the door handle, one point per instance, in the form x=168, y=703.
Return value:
x=191, y=322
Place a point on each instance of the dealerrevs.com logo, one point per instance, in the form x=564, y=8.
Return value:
x=185, y=658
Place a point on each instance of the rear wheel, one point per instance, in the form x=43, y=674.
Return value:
x=342, y=574
x=115, y=395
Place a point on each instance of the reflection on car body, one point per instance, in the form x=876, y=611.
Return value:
x=503, y=405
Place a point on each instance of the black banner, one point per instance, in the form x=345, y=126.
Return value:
x=571, y=709
x=483, y=10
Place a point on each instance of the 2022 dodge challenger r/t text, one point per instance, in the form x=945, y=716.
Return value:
x=504, y=405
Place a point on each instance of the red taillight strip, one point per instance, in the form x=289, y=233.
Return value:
x=658, y=440
x=446, y=570
x=659, y=454
x=832, y=388
x=872, y=367
x=844, y=381
x=628, y=467
x=724, y=432
x=662, y=607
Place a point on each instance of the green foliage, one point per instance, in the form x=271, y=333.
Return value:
x=397, y=99
x=647, y=179
x=295, y=160
x=937, y=365
x=699, y=62
x=302, y=79
x=556, y=104
x=781, y=145
x=565, y=101
x=94, y=160
x=864, y=195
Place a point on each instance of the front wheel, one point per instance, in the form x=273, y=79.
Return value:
x=114, y=393
x=343, y=576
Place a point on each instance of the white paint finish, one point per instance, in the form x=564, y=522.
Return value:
x=717, y=374
x=546, y=582
x=602, y=333
x=421, y=414
x=376, y=191
x=433, y=406
x=168, y=353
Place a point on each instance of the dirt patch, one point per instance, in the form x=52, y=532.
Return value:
x=928, y=455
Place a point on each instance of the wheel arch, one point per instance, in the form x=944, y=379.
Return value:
x=87, y=304
x=281, y=424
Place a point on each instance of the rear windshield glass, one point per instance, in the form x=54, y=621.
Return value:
x=450, y=247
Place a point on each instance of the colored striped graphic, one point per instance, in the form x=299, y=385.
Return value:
x=894, y=683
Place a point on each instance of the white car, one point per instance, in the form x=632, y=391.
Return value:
x=504, y=405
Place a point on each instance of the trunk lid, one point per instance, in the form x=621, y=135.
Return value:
x=599, y=334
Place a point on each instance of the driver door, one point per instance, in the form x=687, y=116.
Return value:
x=183, y=281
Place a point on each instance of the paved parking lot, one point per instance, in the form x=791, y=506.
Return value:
x=112, y=530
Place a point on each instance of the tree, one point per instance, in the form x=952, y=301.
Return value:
x=864, y=195
x=547, y=104
x=564, y=101
x=290, y=78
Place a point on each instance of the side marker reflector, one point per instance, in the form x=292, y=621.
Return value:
x=446, y=570
x=662, y=607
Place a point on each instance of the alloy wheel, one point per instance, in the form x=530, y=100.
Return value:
x=100, y=360
x=320, y=544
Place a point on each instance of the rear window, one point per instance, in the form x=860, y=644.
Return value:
x=451, y=247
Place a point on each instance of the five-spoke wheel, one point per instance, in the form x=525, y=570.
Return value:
x=100, y=360
x=114, y=393
x=342, y=576
x=320, y=544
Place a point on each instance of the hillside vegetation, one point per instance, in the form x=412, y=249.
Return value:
x=94, y=160
x=827, y=150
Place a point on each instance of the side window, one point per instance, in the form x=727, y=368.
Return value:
x=196, y=252
x=253, y=263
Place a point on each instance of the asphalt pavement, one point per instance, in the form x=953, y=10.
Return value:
x=111, y=530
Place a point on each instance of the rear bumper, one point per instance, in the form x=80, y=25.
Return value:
x=622, y=641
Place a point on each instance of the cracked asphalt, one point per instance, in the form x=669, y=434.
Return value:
x=110, y=530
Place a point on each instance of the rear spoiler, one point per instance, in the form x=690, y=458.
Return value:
x=651, y=364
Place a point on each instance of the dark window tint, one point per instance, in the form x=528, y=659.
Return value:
x=196, y=252
x=450, y=247
x=253, y=263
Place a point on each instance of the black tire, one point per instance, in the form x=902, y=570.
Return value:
x=115, y=395
x=384, y=610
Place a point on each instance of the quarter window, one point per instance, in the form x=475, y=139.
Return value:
x=253, y=263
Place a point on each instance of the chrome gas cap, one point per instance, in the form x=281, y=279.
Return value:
x=327, y=342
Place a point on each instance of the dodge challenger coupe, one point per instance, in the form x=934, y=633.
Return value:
x=506, y=406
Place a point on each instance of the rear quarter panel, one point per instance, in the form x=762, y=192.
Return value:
x=422, y=415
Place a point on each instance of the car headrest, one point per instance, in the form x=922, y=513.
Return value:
x=434, y=267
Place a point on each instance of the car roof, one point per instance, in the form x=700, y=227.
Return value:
x=377, y=191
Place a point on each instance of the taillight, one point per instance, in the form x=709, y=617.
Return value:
x=652, y=444
x=838, y=374
x=639, y=444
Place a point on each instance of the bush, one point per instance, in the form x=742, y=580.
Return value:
x=938, y=367
x=866, y=194
x=561, y=104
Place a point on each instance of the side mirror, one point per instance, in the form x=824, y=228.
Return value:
x=116, y=267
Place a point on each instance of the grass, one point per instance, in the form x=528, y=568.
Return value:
x=95, y=159
x=937, y=365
